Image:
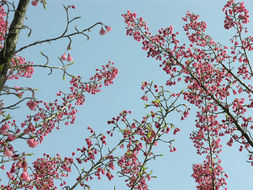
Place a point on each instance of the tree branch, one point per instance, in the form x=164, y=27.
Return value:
x=8, y=50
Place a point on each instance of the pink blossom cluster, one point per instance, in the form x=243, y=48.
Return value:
x=20, y=68
x=3, y=24
x=90, y=157
x=45, y=171
x=205, y=176
x=207, y=140
x=108, y=73
x=103, y=31
x=35, y=2
x=236, y=14
x=69, y=58
x=130, y=164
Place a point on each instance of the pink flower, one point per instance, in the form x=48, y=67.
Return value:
x=69, y=59
x=11, y=137
x=111, y=166
x=5, y=127
x=173, y=149
x=32, y=105
x=145, y=98
x=7, y=152
x=25, y=176
x=35, y=3
x=102, y=31
x=108, y=28
x=64, y=57
x=32, y=143
x=19, y=164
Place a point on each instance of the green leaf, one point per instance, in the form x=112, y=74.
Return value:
x=8, y=117
x=1, y=67
x=29, y=154
x=72, y=63
x=149, y=134
x=44, y=4
x=129, y=153
x=157, y=101
x=146, y=105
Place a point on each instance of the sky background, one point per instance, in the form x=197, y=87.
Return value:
x=173, y=171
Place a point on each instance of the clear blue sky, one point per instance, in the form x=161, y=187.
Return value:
x=174, y=169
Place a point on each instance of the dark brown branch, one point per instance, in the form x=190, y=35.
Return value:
x=59, y=37
x=9, y=48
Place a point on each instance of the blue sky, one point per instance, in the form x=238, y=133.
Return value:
x=174, y=169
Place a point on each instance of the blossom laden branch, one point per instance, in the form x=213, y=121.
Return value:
x=9, y=47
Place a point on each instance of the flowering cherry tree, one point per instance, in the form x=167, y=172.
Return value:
x=214, y=79
x=217, y=81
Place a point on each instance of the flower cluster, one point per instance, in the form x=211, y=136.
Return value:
x=103, y=31
x=108, y=73
x=236, y=14
x=3, y=24
x=20, y=68
x=45, y=171
x=93, y=159
x=207, y=141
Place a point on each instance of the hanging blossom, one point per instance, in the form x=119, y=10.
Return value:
x=103, y=31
